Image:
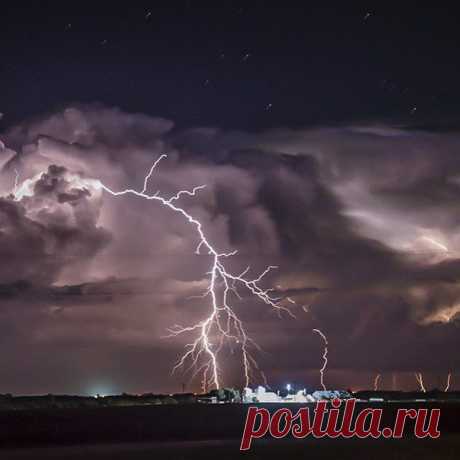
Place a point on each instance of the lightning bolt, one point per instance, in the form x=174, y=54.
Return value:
x=435, y=243
x=376, y=382
x=222, y=324
x=449, y=375
x=16, y=182
x=419, y=378
x=323, y=368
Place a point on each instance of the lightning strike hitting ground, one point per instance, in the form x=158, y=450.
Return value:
x=376, y=382
x=222, y=324
x=449, y=375
x=419, y=378
x=323, y=369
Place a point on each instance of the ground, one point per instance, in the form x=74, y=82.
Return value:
x=196, y=431
x=445, y=448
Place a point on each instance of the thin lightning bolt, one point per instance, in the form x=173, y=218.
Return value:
x=222, y=324
x=449, y=375
x=419, y=378
x=376, y=382
x=435, y=243
x=323, y=369
x=16, y=181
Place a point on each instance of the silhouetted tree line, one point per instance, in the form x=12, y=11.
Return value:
x=50, y=401
x=387, y=395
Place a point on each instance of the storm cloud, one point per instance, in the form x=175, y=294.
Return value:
x=362, y=222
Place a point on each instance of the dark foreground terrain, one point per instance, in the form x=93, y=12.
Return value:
x=447, y=448
x=199, y=431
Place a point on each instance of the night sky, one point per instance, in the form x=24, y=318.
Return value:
x=233, y=66
x=328, y=140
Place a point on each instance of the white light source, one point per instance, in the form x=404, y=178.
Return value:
x=288, y=387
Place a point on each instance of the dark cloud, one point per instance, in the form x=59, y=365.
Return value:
x=360, y=220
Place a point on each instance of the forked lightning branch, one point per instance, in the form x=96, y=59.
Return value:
x=222, y=324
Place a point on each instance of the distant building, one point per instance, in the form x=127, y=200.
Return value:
x=260, y=394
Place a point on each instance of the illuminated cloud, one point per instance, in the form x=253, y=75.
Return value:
x=443, y=315
x=361, y=220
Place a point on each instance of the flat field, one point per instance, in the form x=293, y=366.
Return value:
x=199, y=431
